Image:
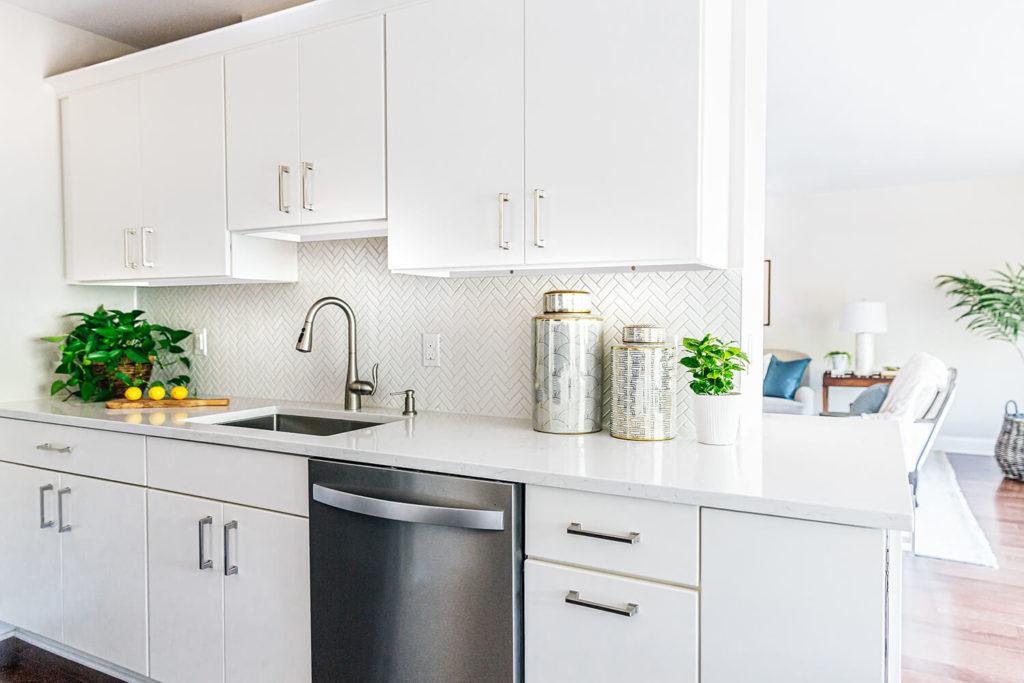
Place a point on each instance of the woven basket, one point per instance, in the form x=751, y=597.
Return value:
x=137, y=371
x=1010, y=446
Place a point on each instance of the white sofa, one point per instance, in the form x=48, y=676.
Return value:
x=803, y=400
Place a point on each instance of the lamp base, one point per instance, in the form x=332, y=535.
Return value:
x=865, y=355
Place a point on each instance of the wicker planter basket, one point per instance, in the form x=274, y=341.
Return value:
x=140, y=372
x=1010, y=446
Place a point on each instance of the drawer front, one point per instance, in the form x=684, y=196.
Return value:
x=274, y=481
x=574, y=642
x=76, y=450
x=667, y=541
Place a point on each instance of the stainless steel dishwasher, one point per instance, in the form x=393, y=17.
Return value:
x=414, y=576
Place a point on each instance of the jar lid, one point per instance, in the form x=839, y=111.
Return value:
x=566, y=301
x=644, y=334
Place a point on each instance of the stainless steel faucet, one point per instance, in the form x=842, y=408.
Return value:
x=355, y=388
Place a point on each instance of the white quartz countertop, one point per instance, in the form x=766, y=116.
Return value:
x=837, y=470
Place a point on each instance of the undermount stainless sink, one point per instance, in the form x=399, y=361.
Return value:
x=301, y=424
x=310, y=422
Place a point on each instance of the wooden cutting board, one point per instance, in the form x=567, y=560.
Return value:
x=119, y=403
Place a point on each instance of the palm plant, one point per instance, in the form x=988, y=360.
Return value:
x=993, y=309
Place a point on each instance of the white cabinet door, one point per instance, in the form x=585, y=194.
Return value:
x=341, y=90
x=612, y=130
x=455, y=133
x=183, y=199
x=103, y=556
x=103, y=182
x=186, y=603
x=567, y=642
x=262, y=100
x=266, y=602
x=30, y=556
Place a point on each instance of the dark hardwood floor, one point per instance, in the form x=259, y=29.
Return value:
x=965, y=623
x=21, y=662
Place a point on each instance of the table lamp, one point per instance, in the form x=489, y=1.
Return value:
x=865, y=319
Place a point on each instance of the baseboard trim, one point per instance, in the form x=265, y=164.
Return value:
x=970, y=445
x=78, y=656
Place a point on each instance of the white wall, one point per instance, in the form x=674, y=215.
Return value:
x=888, y=244
x=32, y=293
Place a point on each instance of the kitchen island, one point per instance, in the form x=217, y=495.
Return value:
x=775, y=559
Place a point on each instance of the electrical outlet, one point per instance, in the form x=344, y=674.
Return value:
x=432, y=350
x=199, y=342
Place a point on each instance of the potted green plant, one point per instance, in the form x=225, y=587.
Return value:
x=993, y=309
x=109, y=351
x=839, y=362
x=713, y=365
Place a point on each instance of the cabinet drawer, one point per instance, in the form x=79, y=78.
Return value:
x=666, y=545
x=273, y=481
x=90, y=452
x=573, y=642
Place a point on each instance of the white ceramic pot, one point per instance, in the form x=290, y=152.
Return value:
x=717, y=418
x=840, y=364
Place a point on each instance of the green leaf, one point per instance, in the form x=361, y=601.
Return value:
x=57, y=386
x=134, y=355
x=53, y=340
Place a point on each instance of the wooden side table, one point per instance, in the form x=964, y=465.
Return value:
x=827, y=380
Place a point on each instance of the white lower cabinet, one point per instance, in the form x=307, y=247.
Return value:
x=103, y=558
x=74, y=569
x=229, y=592
x=577, y=628
x=30, y=557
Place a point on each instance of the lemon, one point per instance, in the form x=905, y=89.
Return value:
x=157, y=393
x=179, y=393
x=133, y=393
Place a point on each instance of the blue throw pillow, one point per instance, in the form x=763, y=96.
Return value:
x=783, y=378
x=870, y=400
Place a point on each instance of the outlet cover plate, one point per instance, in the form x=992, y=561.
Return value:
x=432, y=350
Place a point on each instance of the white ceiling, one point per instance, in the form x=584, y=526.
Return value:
x=882, y=92
x=145, y=23
x=861, y=93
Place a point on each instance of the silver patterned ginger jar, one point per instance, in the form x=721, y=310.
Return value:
x=567, y=365
x=643, y=385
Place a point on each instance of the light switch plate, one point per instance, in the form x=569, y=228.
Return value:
x=432, y=350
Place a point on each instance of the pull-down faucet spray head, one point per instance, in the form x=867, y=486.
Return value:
x=305, y=343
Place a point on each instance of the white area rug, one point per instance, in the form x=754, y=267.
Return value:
x=945, y=527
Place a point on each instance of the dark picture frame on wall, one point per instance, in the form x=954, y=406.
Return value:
x=767, y=292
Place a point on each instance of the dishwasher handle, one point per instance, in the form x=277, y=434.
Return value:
x=464, y=518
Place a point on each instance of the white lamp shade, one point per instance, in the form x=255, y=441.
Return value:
x=863, y=316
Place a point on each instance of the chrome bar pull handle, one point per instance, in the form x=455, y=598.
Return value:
x=307, y=186
x=538, y=241
x=630, y=610
x=502, y=199
x=129, y=233
x=43, y=524
x=146, y=261
x=61, y=526
x=576, y=529
x=229, y=569
x=282, y=171
x=203, y=562
x=54, y=448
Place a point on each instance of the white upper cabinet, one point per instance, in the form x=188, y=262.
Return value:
x=613, y=134
x=455, y=134
x=183, y=203
x=103, y=182
x=305, y=121
x=144, y=174
x=262, y=95
x=606, y=123
x=341, y=116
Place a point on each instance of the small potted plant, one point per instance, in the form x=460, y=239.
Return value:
x=110, y=351
x=713, y=364
x=839, y=362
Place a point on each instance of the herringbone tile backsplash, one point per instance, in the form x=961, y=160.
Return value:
x=485, y=327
